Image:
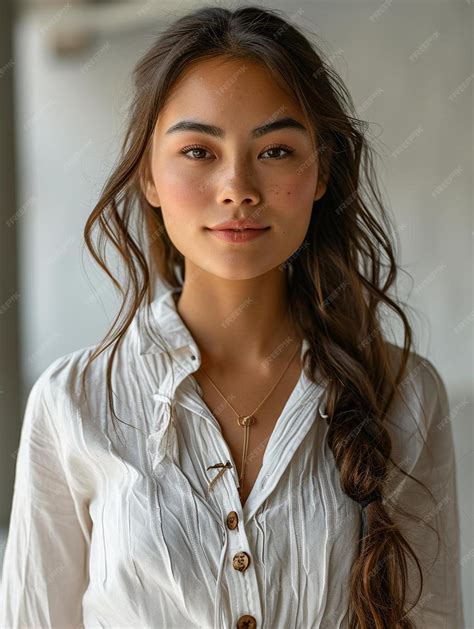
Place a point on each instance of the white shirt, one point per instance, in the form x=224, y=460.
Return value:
x=120, y=532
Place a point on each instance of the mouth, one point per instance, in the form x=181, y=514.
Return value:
x=244, y=229
x=238, y=235
x=238, y=224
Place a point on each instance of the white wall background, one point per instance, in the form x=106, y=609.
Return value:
x=409, y=68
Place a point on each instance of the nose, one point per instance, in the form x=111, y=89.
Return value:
x=237, y=186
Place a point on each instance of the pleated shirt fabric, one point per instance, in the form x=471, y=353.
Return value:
x=118, y=529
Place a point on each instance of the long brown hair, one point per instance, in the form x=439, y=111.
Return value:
x=338, y=282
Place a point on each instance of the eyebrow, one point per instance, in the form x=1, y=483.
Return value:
x=217, y=132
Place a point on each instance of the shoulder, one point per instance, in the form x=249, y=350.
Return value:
x=67, y=403
x=76, y=387
x=86, y=368
x=418, y=419
x=419, y=367
x=421, y=387
x=60, y=378
x=64, y=369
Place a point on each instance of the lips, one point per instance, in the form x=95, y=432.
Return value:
x=236, y=236
x=238, y=225
x=246, y=229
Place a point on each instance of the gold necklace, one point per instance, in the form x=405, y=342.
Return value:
x=245, y=421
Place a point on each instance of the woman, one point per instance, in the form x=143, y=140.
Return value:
x=281, y=463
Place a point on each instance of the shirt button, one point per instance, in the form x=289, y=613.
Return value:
x=241, y=561
x=232, y=520
x=246, y=622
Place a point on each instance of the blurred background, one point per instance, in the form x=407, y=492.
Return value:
x=64, y=90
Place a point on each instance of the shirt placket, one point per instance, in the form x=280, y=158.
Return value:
x=237, y=556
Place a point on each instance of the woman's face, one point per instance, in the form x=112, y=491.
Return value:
x=202, y=179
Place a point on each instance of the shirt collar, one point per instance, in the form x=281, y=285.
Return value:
x=161, y=329
x=160, y=326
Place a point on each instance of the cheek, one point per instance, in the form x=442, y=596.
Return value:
x=293, y=199
x=295, y=189
x=182, y=202
x=178, y=189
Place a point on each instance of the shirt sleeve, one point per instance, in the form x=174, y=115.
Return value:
x=427, y=453
x=44, y=571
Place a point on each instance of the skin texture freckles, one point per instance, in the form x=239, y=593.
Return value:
x=233, y=177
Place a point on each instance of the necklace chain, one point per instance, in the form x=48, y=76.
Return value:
x=246, y=421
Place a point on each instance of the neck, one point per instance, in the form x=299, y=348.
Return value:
x=238, y=324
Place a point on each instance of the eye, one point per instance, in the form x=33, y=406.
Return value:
x=279, y=147
x=187, y=149
x=276, y=147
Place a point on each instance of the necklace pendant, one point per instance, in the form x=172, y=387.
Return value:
x=246, y=420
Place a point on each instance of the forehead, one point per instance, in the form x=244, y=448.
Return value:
x=229, y=93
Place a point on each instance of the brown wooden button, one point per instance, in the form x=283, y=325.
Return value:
x=232, y=519
x=246, y=622
x=241, y=561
